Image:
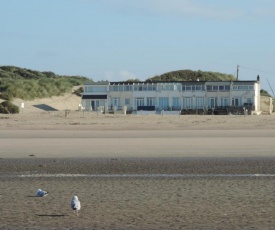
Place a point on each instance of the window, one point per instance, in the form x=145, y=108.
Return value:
x=221, y=87
x=176, y=102
x=199, y=102
x=188, y=87
x=212, y=102
x=87, y=89
x=127, y=101
x=198, y=87
x=96, y=88
x=212, y=88
x=177, y=87
x=151, y=101
x=167, y=87
x=224, y=101
x=188, y=102
x=128, y=88
x=243, y=87
x=170, y=87
x=114, y=88
x=115, y=102
x=236, y=101
x=139, y=101
x=163, y=102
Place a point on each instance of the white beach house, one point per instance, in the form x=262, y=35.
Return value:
x=220, y=97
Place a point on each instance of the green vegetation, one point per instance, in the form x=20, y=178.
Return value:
x=190, y=75
x=28, y=84
x=7, y=107
x=264, y=93
x=133, y=80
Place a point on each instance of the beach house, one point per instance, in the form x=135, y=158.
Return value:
x=186, y=97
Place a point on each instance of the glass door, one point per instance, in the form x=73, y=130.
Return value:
x=188, y=102
x=199, y=102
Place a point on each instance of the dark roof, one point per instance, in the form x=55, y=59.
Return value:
x=94, y=96
x=181, y=82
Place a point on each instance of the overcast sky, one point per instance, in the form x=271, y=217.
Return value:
x=117, y=40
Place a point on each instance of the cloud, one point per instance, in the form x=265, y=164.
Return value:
x=190, y=8
x=179, y=8
x=264, y=12
x=121, y=75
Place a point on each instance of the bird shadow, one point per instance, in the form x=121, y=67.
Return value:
x=52, y=215
x=32, y=196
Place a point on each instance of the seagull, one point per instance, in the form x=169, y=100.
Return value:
x=41, y=193
x=75, y=205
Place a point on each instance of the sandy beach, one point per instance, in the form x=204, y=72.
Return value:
x=134, y=171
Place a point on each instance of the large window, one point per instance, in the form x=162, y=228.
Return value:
x=139, y=101
x=188, y=102
x=236, y=101
x=127, y=101
x=243, y=87
x=199, y=102
x=151, y=101
x=151, y=87
x=146, y=87
x=199, y=87
x=176, y=102
x=95, y=88
x=188, y=87
x=114, y=88
x=212, y=102
x=212, y=88
x=115, y=102
x=193, y=87
x=224, y=101
x=128, y=88
x=163, y=102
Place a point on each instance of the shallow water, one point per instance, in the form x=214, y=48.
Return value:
x=145, y=175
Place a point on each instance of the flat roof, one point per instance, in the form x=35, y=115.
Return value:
x=173, y=82
x=164, y=82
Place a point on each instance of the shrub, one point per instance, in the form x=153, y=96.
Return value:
x=78, y=91
x=7, y=107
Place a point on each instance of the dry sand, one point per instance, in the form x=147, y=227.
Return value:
x=135, y=172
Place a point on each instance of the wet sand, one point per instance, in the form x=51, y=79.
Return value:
x=157, y=175
x=167, y=193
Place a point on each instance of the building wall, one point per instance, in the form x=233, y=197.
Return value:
x=266, y=104
x=236, y=93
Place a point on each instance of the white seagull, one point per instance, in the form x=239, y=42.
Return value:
x=75, y=205
x=41, y=193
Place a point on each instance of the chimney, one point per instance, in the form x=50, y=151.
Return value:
x=258, y=78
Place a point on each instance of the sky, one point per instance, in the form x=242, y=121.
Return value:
x=117, y=40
